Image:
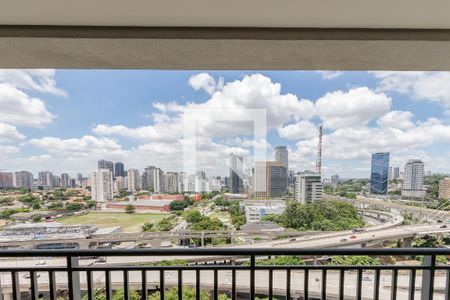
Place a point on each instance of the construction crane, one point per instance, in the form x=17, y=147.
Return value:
x=319, y=152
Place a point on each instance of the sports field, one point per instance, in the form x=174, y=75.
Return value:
x=128, y=222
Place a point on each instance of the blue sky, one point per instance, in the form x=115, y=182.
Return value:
x=65, y=120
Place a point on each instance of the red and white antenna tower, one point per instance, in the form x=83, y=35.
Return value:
x=319, y=152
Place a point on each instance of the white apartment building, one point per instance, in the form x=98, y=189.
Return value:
x=413, y=178
x=102, y=185
x=120, y=183
x=45, y=178
x=134, y=180
x=308, y=187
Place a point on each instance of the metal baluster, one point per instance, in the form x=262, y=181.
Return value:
x=233, y=284
x=73, y=278
x=412, y=285
x=180, y=284
x=162, y=289
x=33, y=286
x=252, y=277
x=341, y=283
x=108, y=285
x=126, y=285
x=197, y=284
x=323, y=294
x=305, y=284
x=15, y=285
x=52, y=285
x=359, y=285
x=216, y=285
x=90, y=285
x=144, y=294
x=376, y=285
x=394, y=284
x=288, y=284
x=270, y=284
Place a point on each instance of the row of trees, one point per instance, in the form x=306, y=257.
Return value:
x=237, y=213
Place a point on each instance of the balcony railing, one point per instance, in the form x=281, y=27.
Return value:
x=236, y=273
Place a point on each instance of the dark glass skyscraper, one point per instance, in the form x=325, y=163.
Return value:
x=379, y=173
x=119, y=169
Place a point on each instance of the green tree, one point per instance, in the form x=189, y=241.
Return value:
x=74, y=206
x=148, y=226
x=118, y=294
x=178, y=205
x=130, y=208
x=188, y=294
x=193, y=216
x=357, y=260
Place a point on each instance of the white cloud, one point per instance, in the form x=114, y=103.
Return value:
x=431, y=86
x=8, y=149
x=87, y=145
x=356, y=107
x=206, y=82
x=159, y=132
x=330, y=74
x=41, y=80
x=396, y=119
x=20, y=109
x=299, y=130
x=9, y=133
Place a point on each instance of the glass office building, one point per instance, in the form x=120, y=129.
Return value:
x=379, y=173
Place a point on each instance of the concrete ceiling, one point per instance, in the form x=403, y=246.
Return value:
x=226, y=34
x=424, y=14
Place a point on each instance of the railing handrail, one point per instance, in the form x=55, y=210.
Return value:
x=224, y=252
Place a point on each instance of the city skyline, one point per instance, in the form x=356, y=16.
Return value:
x=64, y=121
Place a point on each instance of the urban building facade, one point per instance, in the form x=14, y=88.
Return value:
x=102, y=185
x=413, y=179
x=236, y=174
x=45, y=178
x=23, y=179
x=119, y=169
x=444, y=188
x=308, y=187
x=379, y=173
x=6, y=180
x=134, y=180
x=104, y=164
x=270, y=179
x=282, y=156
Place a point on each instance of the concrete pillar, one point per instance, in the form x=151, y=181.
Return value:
x=202, y=239
x=74, y=279
x=428, y=278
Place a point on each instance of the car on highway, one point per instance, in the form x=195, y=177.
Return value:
x=353, y=237
x=293, y=240
x=343, y=240
x=443, y=226
x=41, y=263
x=28, y=275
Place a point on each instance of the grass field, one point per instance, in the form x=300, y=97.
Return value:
x=129, y=222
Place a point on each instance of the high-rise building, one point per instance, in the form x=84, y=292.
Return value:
x=379, y=173
x=170, y=182
x=270, y=179
x=158, y=180
x=444, y=188
x=102, y=185
x=390, y=173
x=134, y=180
x=334, y=179
x=308, y=187
x=119, y=169
x=104, y=164
x=396, y=172
x=6, y=179
x=120, y=183
x=236, y=174
x=282, y=156
x=148, y=178
x=412, y=186
x=56, y=181
x=65, y=180
x=45, y=178
x=23, y=179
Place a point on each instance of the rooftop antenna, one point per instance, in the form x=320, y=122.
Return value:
x=319, y=152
